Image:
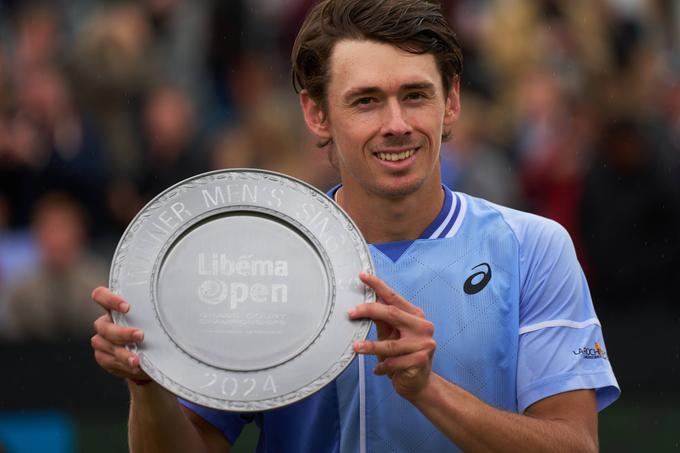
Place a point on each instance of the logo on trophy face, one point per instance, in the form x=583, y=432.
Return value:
x=240, y=281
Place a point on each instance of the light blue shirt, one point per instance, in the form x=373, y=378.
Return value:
x=514, y=323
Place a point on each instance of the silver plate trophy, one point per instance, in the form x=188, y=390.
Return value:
x=241, y=281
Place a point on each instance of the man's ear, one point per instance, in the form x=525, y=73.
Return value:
x=452, y=109
x=315, y=117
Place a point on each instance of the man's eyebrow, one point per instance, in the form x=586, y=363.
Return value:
x=419, y=86
x=360, y=91
x=363, y=91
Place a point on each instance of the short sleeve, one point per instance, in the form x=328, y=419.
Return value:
x=561, y=347
x=228, y=423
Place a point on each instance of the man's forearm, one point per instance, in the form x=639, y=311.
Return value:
x=475, y=426
x=157, y=422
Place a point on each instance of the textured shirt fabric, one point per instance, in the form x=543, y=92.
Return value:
x=514, y=323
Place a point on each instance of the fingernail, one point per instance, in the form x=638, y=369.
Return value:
x=352, y=312
x=358, y=346
x=131, y=361
x=138, y=335
x=124, y=307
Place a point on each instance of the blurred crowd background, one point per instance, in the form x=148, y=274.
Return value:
x=571, y=110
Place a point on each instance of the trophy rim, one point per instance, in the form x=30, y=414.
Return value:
x=325, y=376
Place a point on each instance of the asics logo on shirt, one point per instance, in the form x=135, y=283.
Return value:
x=473, y=284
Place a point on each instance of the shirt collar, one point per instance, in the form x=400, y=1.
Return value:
x=447, y=222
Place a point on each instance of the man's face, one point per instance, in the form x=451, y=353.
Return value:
x=386, y=110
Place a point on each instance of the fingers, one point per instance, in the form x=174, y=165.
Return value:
x=393, y=316
x=110, y=339
x=405, y=347
x=388, y=295
x=116, y=334
x=395, y=348
x=123, y=368
x=109, y=300
x=117, y=353
x=116, y=359
x=407, y=365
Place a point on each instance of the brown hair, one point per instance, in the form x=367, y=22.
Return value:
x=415, y=26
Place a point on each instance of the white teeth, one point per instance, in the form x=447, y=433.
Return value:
x=396, y=156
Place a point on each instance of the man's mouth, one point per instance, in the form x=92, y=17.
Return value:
x=396, y=156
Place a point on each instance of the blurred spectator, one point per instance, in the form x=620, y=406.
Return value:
x=664, y=130
x=568, y=41
x=5, y=89
x=112, y=70
x=631, y=223
x=38, y=36
x=53, y=301
x=233, y=148
x=268, y=133
x=172, y=152
x=47, y=145
x=475, y=167
x=177, y=31
x=469, y=19
x=226, y=37
x=472, y=165
x=17, y=253
x=172, y=149
x=553, y=139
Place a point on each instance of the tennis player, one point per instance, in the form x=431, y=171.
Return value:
x=486, y=338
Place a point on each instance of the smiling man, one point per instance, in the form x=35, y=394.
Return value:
x=385, y=112
x=483, y=311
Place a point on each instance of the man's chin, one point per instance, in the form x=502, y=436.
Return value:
x=399, y=189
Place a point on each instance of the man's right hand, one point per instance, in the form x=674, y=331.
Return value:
x=110, y=339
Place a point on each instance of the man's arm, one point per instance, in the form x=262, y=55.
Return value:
x=158, y=422
x=564, y=422
x=405, y=347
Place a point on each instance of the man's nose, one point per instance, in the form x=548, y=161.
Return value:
x=395, y=121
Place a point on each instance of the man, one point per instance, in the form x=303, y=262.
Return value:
x=519, y=362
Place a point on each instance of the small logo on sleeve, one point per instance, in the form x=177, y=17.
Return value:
x=587, y=352
x=474, y=284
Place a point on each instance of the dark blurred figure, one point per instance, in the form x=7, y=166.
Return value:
x=225, y=42
x=268, y=132
x=553, y=140
x=631, y=231
x=664, y=129
x=52, y=302
x=47, y=145
x=178, y=42
x=631, y=223
x=71, y=158
x=39, y=37
x=17, y=253
x=172, y=151
x=472, y=165
x=469, y=18
x=112, y=68
x=41, y=132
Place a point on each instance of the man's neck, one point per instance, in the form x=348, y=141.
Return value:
x=389, y=219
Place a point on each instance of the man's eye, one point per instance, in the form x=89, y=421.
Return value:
x=415, y=95
x=364, y=101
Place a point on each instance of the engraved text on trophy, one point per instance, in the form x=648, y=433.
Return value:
x=234, y=290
